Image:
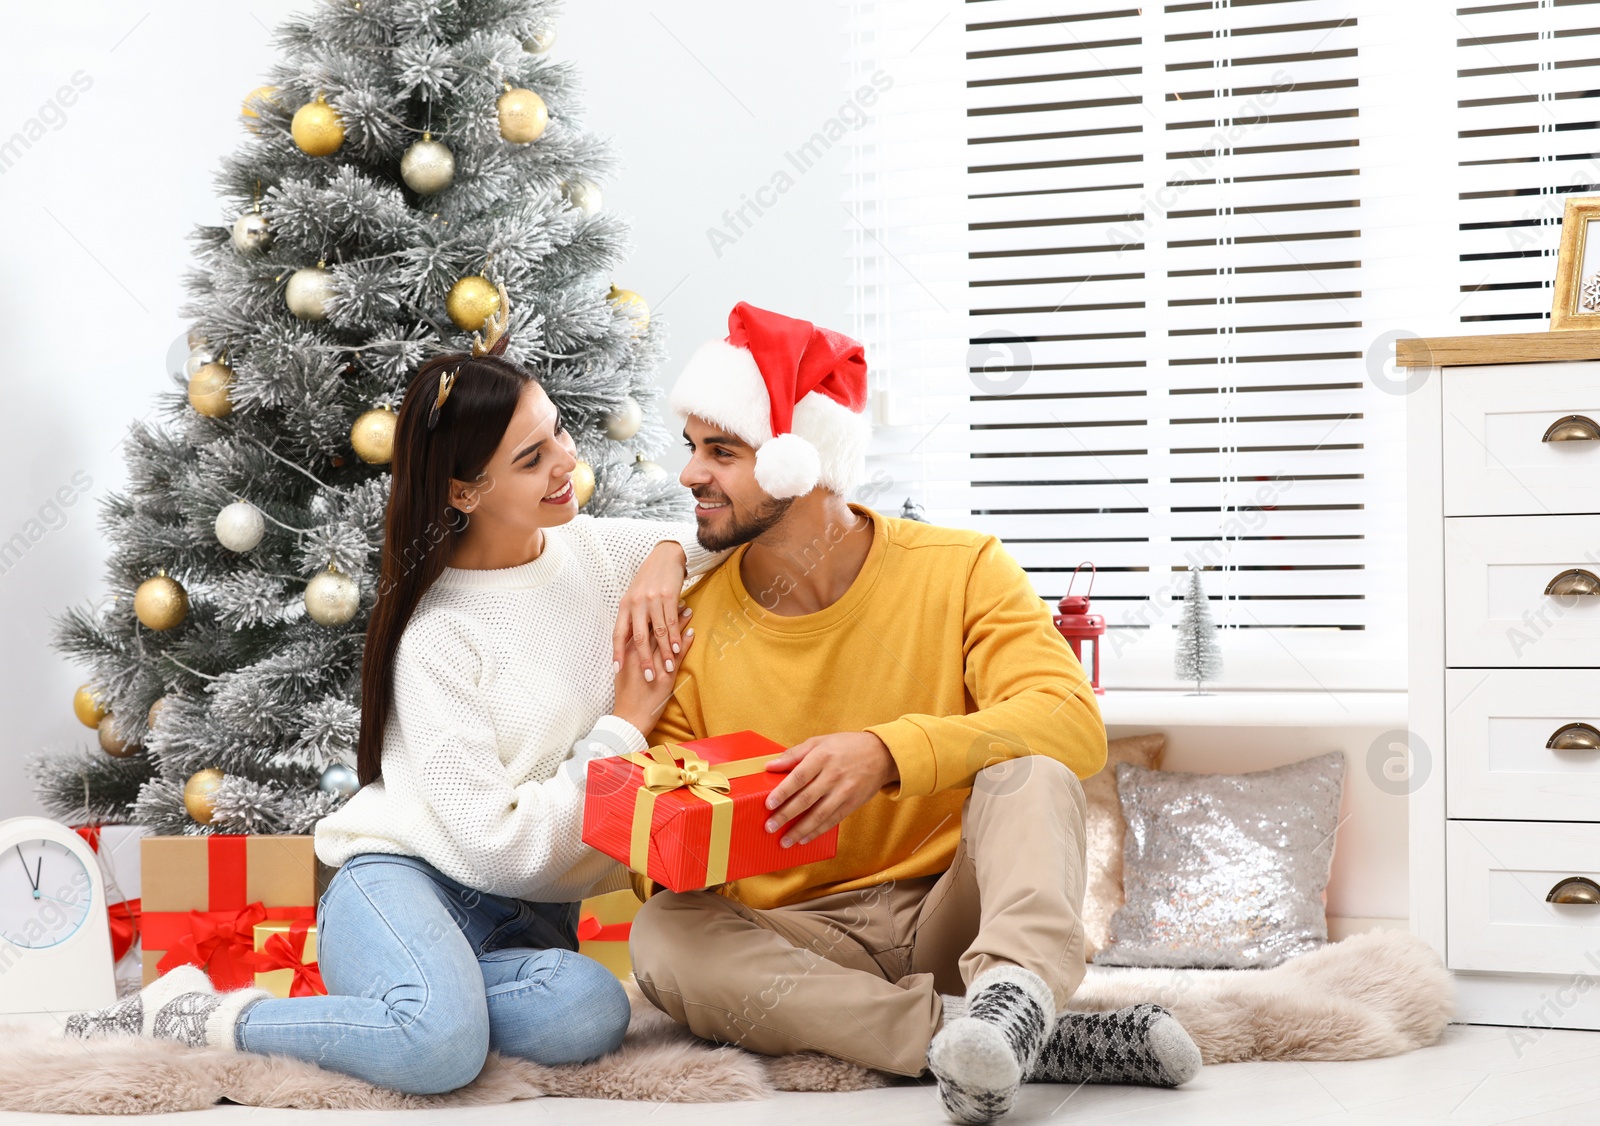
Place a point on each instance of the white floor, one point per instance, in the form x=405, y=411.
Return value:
x=1477, y=1075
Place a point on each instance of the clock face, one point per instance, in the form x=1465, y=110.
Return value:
x=44, y=893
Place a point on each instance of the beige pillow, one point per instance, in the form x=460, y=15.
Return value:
x=1105, y=828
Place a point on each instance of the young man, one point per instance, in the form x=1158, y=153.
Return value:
x=932, y=711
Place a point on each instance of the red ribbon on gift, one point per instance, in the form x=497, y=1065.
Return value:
x=285, y=952
x=217, y=940
x=591, y=930
x=124, y=919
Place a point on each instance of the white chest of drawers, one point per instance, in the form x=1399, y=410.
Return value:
x=1503, y=494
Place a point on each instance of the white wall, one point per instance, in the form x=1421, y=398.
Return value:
x=97, y=212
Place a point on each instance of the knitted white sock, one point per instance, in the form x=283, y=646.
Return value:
x=981, y=1057
x=131, y=1015
x=181, y=1005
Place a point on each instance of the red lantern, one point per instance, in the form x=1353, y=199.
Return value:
x=1077, y=625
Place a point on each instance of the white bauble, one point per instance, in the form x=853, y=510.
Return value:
x=624, y=422
x=584, y=195
x=240, y=526
x=332, y=598
x=540, y=41
x=308, y=292
x=428, y=167
x=250, y=233
x=651, y=470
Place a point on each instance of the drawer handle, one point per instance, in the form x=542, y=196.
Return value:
x=1575, y=889
x=1574, y=737
x=1573, y=428
x=1575, y=581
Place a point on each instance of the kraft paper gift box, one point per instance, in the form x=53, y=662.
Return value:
x=203, y=896
x=693, y=815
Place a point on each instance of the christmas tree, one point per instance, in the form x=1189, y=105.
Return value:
x=413, y=171
x=1198, y=657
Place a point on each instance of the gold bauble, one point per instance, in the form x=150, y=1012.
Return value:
x=652, y=470
x=632, y=304
x=208, y=390
x=86, y=706
x=155, y=711
x=317, y=129
x=112, y=743
x=582, y=483
x=200, y=791
x=246, y=111
x=332, y=598
x=523, y=116
x=372, y=435
x=540, y=41
x=161, y=603
x=471, y=302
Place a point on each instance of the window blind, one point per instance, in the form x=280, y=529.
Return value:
x=1129, y=277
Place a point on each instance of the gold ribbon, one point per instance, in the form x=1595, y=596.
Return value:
x=663, y=773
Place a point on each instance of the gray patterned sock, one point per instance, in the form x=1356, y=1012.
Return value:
x=1141, y=1044
x=981, y=1057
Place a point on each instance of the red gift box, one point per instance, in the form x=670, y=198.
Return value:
x=693, y=815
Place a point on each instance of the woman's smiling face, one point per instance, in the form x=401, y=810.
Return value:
x=527, y=484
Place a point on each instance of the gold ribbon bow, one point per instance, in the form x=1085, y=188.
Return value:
x=663, y=773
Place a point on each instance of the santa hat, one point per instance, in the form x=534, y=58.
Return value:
x=794, y=392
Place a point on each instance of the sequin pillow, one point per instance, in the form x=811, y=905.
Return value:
x=1225, y=871
x=1103, y=832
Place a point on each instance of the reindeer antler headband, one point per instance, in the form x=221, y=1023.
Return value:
x=492, y=342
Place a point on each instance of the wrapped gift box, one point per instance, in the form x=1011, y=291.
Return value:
x=693, y=815
x=203, y=896
x=285, y=958
x=603, y=925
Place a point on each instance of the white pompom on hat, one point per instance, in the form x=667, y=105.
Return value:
x=796, y=393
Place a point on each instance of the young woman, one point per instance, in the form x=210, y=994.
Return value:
x=513, y=640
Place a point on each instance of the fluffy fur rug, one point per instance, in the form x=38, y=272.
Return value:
x=1374, y=994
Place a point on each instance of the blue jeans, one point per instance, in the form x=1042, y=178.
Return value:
x=426, y=975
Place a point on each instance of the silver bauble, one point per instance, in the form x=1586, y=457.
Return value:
x=198, y=358
x=540, y=41
x=240, y=526
x=624, y=422
x=339, y=779
x=332, y=598
x=250, y=233
x=428, y=167
x=584, y=195
x=307, y=293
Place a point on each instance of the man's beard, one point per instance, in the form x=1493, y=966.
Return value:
x=743, y=531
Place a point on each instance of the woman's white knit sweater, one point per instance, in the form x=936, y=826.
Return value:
x=502, y=691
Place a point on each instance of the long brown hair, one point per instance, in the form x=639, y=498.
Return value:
x=420, y=527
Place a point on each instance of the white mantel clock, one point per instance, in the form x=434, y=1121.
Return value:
x=55, y=939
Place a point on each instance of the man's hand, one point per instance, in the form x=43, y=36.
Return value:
x=830, y=777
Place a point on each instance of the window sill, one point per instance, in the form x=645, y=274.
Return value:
x=1135, y=707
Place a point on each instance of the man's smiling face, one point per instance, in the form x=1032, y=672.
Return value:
x=730, y=508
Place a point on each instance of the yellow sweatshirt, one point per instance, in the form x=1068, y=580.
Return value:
x=940, y=647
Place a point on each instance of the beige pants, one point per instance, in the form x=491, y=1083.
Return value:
x=858, y=974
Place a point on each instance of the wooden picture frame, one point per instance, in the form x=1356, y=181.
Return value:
x=1577, y=289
